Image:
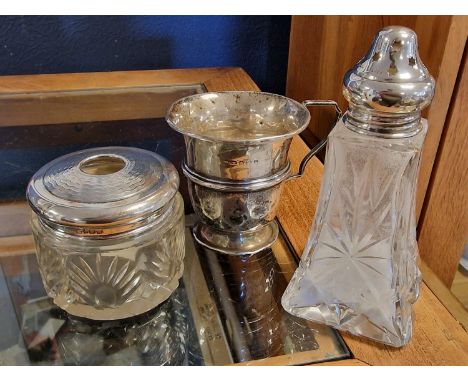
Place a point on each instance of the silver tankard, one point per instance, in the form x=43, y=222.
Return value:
x=237, y=162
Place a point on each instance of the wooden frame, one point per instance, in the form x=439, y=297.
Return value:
x=315, y=72
x=438, y=338
x=443, y=229
x=323, y=48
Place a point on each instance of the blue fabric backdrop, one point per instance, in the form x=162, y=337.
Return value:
x=58, y=44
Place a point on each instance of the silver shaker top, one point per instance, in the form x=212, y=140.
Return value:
x=389, y=86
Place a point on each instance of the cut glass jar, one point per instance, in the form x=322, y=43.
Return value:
x=108, y=225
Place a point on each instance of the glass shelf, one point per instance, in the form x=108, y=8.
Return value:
x=226, y=309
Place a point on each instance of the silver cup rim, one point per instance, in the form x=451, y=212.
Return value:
x=278, y=137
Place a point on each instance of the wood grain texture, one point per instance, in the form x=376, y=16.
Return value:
x=438, y=338
x=109, y=80
x=444, y=223
x=234, y=79
x=343, y=362
x=88, y=106
x=445, y=295
x=460, y=290
x=106, y=96
x=323, y=48
x=17, y=245
x=299, y=198
x=446, y=75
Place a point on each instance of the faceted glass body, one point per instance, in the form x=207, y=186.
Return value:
x=359, y=269
x=113, y=277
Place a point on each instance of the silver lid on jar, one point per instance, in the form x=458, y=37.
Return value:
x=389, y=86
x=103, y=191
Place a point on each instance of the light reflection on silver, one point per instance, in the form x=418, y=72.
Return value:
x=237, y=161
x=389, y=86
x=248, y=290
x=191, y=328
x=237, y=135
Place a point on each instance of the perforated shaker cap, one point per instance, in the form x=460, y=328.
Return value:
x=102, y=191
x=390, y=80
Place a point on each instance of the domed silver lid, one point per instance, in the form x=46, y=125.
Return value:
x=391, y=83
x=102, y=191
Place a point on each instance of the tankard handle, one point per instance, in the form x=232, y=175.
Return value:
x=319, y=146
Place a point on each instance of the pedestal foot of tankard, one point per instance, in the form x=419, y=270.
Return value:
x=236, y=243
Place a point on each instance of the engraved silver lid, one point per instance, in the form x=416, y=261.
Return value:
x=389, y=86
x=103, y=191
